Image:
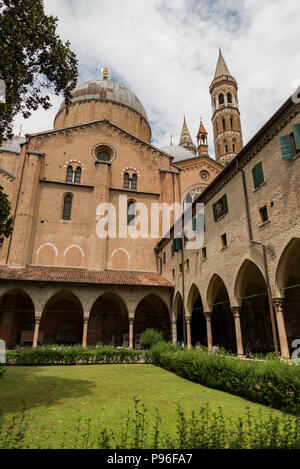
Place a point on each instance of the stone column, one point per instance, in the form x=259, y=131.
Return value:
x=85, y=331
x=174, y=331
x=188, y=332
x=36, y=331
x=208, y=316
x=131, y=333
x=279, y=306
x=236, y=311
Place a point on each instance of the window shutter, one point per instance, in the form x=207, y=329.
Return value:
x=286, y=147
x=194, y=224
x=225, y=205
x=258, y=175
x=296, y=132
x=215, y=212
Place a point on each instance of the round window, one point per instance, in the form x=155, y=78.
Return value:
x=103, y=153
x=204, y=175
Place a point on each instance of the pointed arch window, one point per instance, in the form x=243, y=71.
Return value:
x=221, y=99
x=229, y=98
x=224, y=124
x=134, y=182
x=77, y=175
x=67, y=207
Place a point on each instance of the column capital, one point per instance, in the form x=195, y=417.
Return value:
x=207, y=314
x=188, y=320
x=236, y=311
x=279, y=303
x=131, y=320
x=86, y=320
x=37, y=318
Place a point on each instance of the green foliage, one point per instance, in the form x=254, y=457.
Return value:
x=270, y=382
x=75, y=355
x=202, y=429
x=150, y=337
x=1, y=370
x=33, y=60
x=6, y=222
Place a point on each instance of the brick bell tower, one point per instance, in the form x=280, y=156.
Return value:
x=228, y=139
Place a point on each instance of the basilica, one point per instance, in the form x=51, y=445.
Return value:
x=62, y=282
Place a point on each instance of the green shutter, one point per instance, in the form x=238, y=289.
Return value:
x=296, y=132
x=258, y=175
x=176, y=244
x=225, y=205
x=194, y=224
x=215, y=211
x=286, y=147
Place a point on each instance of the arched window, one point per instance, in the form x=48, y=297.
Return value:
x=221, y=99
x=67, y=207
x=130, y=183
x=131, y=213
x=73, y=176
x=231, y=122
x=69, y=177
x=229, y=98
x=126, y=184
x=134, y=182
x=224, y=124
x=77, y=175
x=226, y=148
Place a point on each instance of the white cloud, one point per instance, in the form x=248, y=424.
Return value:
x=166, y=52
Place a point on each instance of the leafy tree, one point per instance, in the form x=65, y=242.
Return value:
x=150, y=337
x=6, y=221
x=33, y=60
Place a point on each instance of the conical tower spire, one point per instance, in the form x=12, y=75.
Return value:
x=202, y=140
x=221, y=68
x=186, y=139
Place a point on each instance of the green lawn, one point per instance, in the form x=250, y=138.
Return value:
x=55, y=398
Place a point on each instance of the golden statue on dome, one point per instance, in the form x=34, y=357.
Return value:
x=105, y=73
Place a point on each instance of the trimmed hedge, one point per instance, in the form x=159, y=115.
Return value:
x=272, y=383
x=57, y=355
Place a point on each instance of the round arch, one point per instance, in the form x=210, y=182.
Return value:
x=251, y=290
x=198, y=322
x=16, y=318
x=62, y=319
x=108, y=322
x=288, y=286
x=152, y=313
x=223, y=329
x=178, y=313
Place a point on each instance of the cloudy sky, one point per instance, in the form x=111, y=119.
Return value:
x=166, y=52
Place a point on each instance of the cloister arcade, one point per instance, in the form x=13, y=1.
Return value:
x=236, y=318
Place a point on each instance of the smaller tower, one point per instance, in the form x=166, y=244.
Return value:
x=228, y=139
x=186, y=139
x=202, y=140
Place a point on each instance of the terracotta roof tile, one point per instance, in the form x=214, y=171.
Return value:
x=78, y=275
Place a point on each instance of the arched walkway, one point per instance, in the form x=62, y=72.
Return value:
x=288, y=282
x=62, y=319
x=198, y=323
x=108, y=321
x=251, y=289
x=223, y=329
x=152, y=313
x=16, y=318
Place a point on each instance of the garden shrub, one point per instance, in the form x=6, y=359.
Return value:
x=75, y=355
x=150, y=337
x=270, y=382
x=1, y=370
